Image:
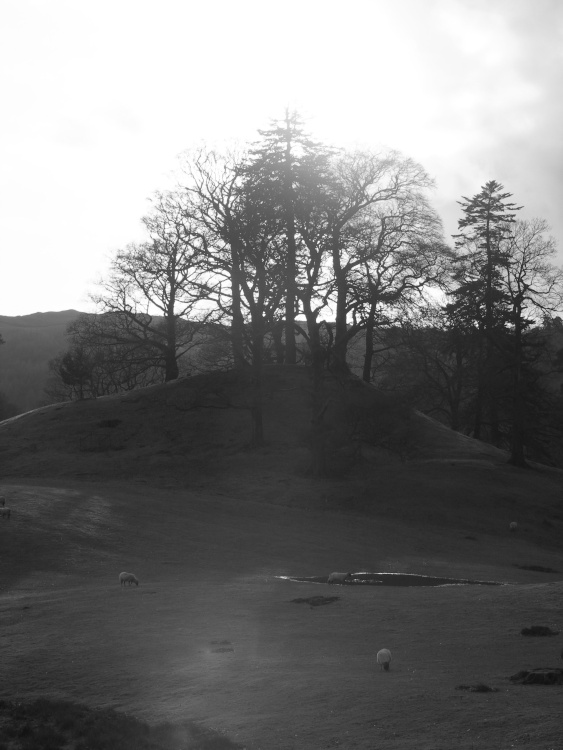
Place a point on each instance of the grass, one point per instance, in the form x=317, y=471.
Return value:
x=210, y=647
x=60, y=725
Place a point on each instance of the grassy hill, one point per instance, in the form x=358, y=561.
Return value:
x=196, y=432
x=30, y=342
x=162, y=482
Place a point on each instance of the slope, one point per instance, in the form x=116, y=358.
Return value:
x=195, y=432
x=30, y=342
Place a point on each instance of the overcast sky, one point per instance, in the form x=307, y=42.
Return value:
x=98, y=99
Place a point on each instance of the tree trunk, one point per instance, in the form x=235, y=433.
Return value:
x=316, y=349
x=517, y=457
x=237, y=325
x=478, y=415
x=256, y=375
x=290, y=345
x=171, y=369
x=277, y=336
x=340, y=329
x=257, y=438
x=455, y=391
x=368, y=355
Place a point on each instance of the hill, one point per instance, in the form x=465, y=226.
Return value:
x=30, y=342
x=196, y=432
x=163, y=482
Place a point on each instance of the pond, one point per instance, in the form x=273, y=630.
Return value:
x=392, y=579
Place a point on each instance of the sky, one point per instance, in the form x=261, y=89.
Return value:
x=98, y=99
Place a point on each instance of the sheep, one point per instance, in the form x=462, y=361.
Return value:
x=384, y=659
x=5, y=512
x=338, y=577
x=128, y=578
x=513, y=526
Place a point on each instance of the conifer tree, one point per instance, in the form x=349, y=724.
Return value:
x=281, y=170
x=480, y=302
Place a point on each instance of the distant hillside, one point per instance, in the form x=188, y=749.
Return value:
x=31, y=341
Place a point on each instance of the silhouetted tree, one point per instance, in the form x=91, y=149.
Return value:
x=154, y=290
x=75, y=368
x=479, y=301
x=244, y=259
x=378, y=216
x=280, y=170
x=534, y=290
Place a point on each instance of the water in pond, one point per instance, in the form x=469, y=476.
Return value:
x=392, y=579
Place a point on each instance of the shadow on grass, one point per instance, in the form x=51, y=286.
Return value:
x=316, y=601
x=51, y=724
x=480, y=687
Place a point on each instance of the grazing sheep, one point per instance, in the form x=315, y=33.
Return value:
x=5, y=512
x=338, y=577
x=128, y=578
x=384, y=659
x=513, y=526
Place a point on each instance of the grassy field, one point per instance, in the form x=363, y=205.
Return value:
x=211, y=642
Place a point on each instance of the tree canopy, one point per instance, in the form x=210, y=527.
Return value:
x=299, y=252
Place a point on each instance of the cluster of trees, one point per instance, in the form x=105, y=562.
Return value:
x=292, y=241
x=486, y=360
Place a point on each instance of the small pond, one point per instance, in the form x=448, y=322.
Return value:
x=392, y=579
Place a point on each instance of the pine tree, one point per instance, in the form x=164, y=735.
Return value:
x=480, y=302
x=280, y=173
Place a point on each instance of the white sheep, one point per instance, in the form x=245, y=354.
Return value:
x=338, y=577
x=5, y=512
x=384, y=659
x=513, y=526
x=128, y=578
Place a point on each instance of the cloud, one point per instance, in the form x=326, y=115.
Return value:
x=99, y=98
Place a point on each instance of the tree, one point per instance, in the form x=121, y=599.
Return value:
x=154, y=290
x=244, y=259
x=75, y=368
x=431, y=365
x=479, y=300
x=97, y=363
x=403, y=256
x=377, y=211
x=534, y=289
x=280, y=173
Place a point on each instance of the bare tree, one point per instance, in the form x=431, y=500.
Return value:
x=534, y=289
x=364, y=181
x=401, y=257
x=155, y=291
x=244, y=260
